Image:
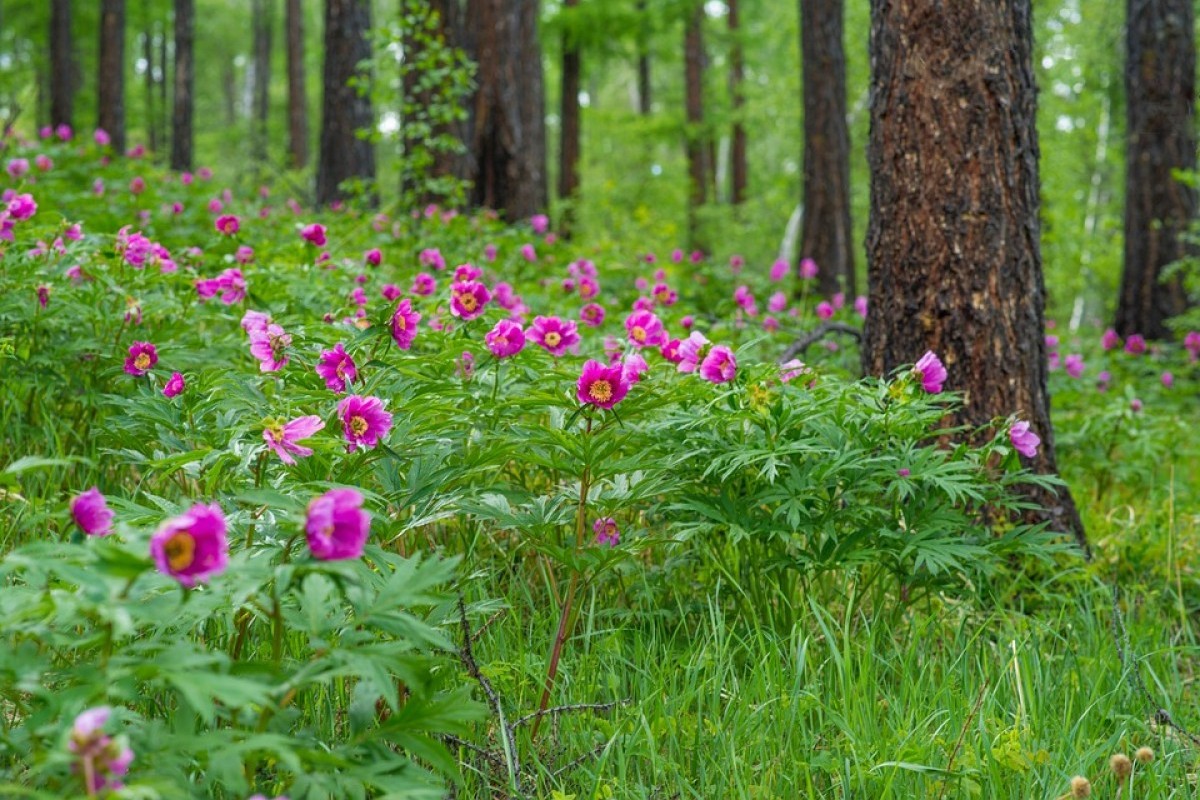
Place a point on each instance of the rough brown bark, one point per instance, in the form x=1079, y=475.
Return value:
x=737, y=70
x=643, y=66
x=953, y=240
x=261, y=23
x=62, y=72
x=826, y=235
x=568, y=163
x=1160, y=90
x=148, y=76
x=185, y=82
x=111, y=79
x=297, y=96
x=343, y=155
x=697, y=150
x=507, y=125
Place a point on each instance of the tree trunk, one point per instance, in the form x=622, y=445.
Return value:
x=953, y=240
x=185, y=82
x=343, y=155
x=826, y=236
x=736, y=77
x=148, y=77
x=697, y=150
x=111, y=89
x=568, y=166
x=62, y=72
x=1160, y=89
x=643, y=64
x=297, y=96
x=261, y=22
x=508, y=127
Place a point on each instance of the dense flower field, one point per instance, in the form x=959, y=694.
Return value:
x=267, y=473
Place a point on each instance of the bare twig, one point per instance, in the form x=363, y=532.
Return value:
x=467, y=656
x=488, y=623
x=817, y=334
x=575, y=762
x=551, y=712
x=474, y=748
x=962, y=735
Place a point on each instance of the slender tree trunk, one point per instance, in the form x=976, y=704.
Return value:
x=568, y=166
x=508, y=130
x=643, y=65
x=826, y=235
x=736, y=77
x=111, y=89
x=164, y=80
x=148, y=77
x=1160, y=91
x=185, y=81
x=261, y=22
x=953, y=241
x=343, y=155
x=697, y=149
x=62, y=72
x=297, y=96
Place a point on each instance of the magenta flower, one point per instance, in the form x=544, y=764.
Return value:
x=364, y=421
x=1073, y=364
x=244, y=254
x=607, y=532
x=1024, y=440
x=592, y=314
x=314, y=234
x=255, y=322
x=468, y=299
x=424, y=284
x=540, y=223
x=337, y=368
x=860, y=306
x=777, y=302
x=692, y=351
x=228, y=224
x=270, y=348
x=931, y=372
x=373, y=257
x=21, y=207
x=404, y=324
x=192, y=547
x=780, y=269
x=506, y=339
x=808, y=269
x=1110, y=339
x=670, y=351
x=43, y=295
x=230, y=284
x=467, y=272
x=91, y=513
x=601, y=386
x=174, y=386
x=1135, y=344
x=528, y=253
x=1191, y=343
x=282, y=438
x=824, y=310
x=102, y=760
x=644, y=329
x=336, y=526
x=1168, y=379
x=142, y=358
x=719, y=366
x=554, y=334
x=590, y=287
x=632, y=368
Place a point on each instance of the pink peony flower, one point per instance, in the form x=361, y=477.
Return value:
x=1024, y=440
x=528, y=253
x=1135, y=344
x=314, y=234
x=468, y=299
x=175, y=386
x=692, y=351
x=337, y=368
x=1073, y=364
x=336, y=525
x=506, y=339
x=21, y=207
x=244, y=254
x=489, y=252
x=270, y=348
x=282, y=437
x=255, y=322
x=808, y=269
x=1191, y=343
x=373, y=257
x=228, y=224
x=601, y=386
x=592, y=314
x=467, y=272
x=607, y=532
x=142, y=358
x=364, y=421
x=824, y=310
x=670, y=351
x=644, y=329
x=1110, y=340
x=1168, y=379
x=424, y=284
x=432, y=257
x=860, y=306
x=91, y=513
x=778, y=302
x=192, y=547
x=554, y=334
x=780, y=269
x=931, y=372
x=719, y=366
x=540, y=223
x=404, y=324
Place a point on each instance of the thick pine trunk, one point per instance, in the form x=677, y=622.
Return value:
x=343, y=155
x=62, y=71
x=568, y=164
x=111, y=86
x=737, y=70
x=697, y=150
x=297, y=96
x=185, y=82
x=1160, y=90
x=826, y=235
x=953, y=241
x=261, y=22
x=508, y=130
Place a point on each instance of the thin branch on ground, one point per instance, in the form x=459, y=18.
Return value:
x=817, y=334
x=556, y=710
x=467, y=656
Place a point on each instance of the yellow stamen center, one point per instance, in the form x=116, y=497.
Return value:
x=180, y=550
x=142, y=361
x=467, y=301
x=638, y=333
x=552, y=339
x=601, y=391
x=358, y=426
x=275, y=431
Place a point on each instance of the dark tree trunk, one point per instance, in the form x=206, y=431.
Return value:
x=508, y=128
x=62, y=72
x=568, y=165
x=148, y=77
x=164, y=79
x=826, y=235
x=643, y=65
x=261, y=22
x=736, y=77
x=297, y=96
x=1160, y=90
x=697, y=150
x=229, y=92
x=953, y=241
x=185, y=83
x=343, y=155
x=111, y=89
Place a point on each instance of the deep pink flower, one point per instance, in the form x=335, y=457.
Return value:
x=540, y=223
x=175, y=386
x=390, y=291
x=270, y=348
x=592, y=314
x=692, y=351
x=467, y=272
x=719, y=366
x=142, y=358
x=337, y=368
x=137, y=185
x=633, y=366
x=1191, y=343
x=373, y=257
x=91, y=513
x=778, y=302
x=255, y=322
x=1168, y=379
x=282, y=437
x=589, y=287
x=808, y=269
x=860, y=306
x=101, y=759
x=230, y=284
x=192, y=547
x=18, y=167
x=424, y=284
x=364, y=421
x=670, y=351
x=1135, y=405
x=244, y=254
x=1074, y=365
x=314, y=234
x=101, y=137
x=824, y=310
x=1024, y=440
x=336, y=525
x=21, y=207
x=404, y=324
x=1110, y=339
x=780, y=269
x=506, y=339
x=607, y=532
x=228, y=224
x=931, y=372
x=1135, y=344
x=466, y=365
x=489, y=252
x=554, y=334
x=43, y=295
x=468, y=299
x=644, y=329
x=528, y=253
x=601, y=386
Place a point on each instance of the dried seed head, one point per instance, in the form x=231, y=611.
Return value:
x=1080, y=787
x=1144, y=755
x=1121, y=766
